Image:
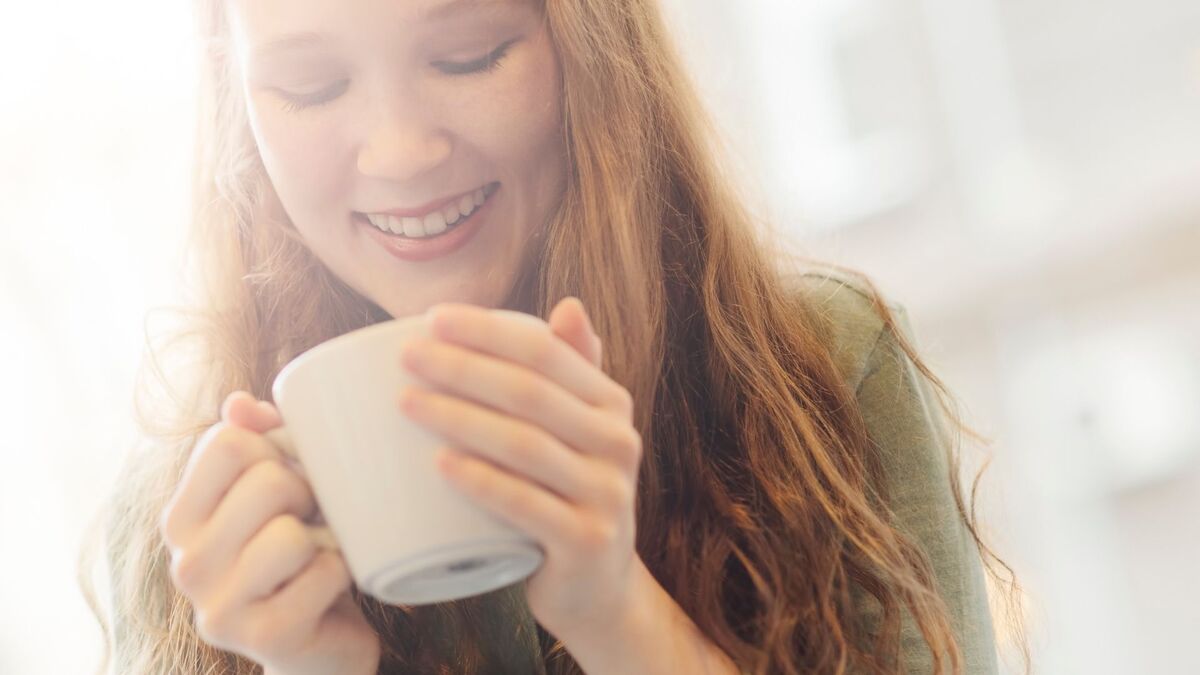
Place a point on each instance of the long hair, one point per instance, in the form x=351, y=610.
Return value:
x=757, y=503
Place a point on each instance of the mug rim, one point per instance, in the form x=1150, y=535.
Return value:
x=334, y=344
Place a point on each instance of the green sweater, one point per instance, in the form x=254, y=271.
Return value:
x=899, y=407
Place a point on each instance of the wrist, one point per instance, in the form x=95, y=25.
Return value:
x=618, y=643
x=652, y=635
x=370, y=664
x=367, y=664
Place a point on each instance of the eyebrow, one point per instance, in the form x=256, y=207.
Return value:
x=288, y=43
x=440, y=12
x=452, y=7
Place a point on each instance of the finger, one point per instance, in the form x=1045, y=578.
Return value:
x=554, y=522
x=268, y=630
x=309, y=594
x=265, y=490
x=242, y=409
x=569, y=321
x=527, y=343
x=516, y=446
x=514, y=390
x=223, y=452
x=274, y=555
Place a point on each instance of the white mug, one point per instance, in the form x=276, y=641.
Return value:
x=407, y=535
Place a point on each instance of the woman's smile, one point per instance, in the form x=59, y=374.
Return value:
x=432, y=220
x=414, y=244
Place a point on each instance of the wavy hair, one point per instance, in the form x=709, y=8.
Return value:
x=760, y=483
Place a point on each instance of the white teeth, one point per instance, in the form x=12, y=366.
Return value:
x=411, y=227
x=434, y=223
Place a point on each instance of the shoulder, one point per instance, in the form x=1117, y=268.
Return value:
x=854, y=325
x=909, y=437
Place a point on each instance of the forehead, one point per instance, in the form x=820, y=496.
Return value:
x=264, y=18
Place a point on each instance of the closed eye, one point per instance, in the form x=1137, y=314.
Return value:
x=482, y=65
x=294, y=102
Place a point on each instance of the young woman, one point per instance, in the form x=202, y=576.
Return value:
x=733, y=462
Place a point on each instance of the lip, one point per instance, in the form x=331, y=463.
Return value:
x=420, y=250
x=430, y=207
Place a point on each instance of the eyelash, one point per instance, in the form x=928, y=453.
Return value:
x=481, y=66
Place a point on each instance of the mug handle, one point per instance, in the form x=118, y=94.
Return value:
x=280, y=438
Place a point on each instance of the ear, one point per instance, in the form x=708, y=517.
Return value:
x=569, y=321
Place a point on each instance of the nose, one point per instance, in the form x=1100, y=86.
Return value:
x=402, y=143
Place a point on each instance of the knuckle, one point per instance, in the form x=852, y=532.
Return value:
x=288, y=530
x=273, y=475
x=450, y=364
x=523, y=445
x=621, y=400
x=529, y=395
x=620, y=493
x=214, y=625
x=228, y=444
x=326, y=570
x=626, y=445
x=332, y=567
x=514, y=501
x=637, y=451
x=186, y=570
x=597, y=536
x=283, y=486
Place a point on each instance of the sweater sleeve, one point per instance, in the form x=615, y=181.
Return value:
x=903, y=419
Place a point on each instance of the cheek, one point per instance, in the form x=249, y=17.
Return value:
x=518, y=117
x=301, y=157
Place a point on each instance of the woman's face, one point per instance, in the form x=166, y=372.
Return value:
x=367, y=106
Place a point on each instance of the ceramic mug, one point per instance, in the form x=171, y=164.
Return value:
x=407, y=535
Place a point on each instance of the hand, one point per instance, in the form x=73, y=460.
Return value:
x=240, y=553
x=543, y=439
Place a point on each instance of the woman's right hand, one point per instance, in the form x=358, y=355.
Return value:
x=240, y=552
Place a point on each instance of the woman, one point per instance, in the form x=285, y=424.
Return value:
x=797, y=506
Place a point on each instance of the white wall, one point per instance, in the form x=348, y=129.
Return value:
x=96, y=133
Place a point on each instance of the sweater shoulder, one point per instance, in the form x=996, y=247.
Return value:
x=853, y=323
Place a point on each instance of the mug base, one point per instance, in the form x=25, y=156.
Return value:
x=454, y=572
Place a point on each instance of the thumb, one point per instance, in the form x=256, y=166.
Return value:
x=242, y=409
x=569, y=321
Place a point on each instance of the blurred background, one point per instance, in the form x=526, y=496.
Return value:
x=1023, y=175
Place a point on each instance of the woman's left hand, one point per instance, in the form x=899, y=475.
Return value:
x=544, y=439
